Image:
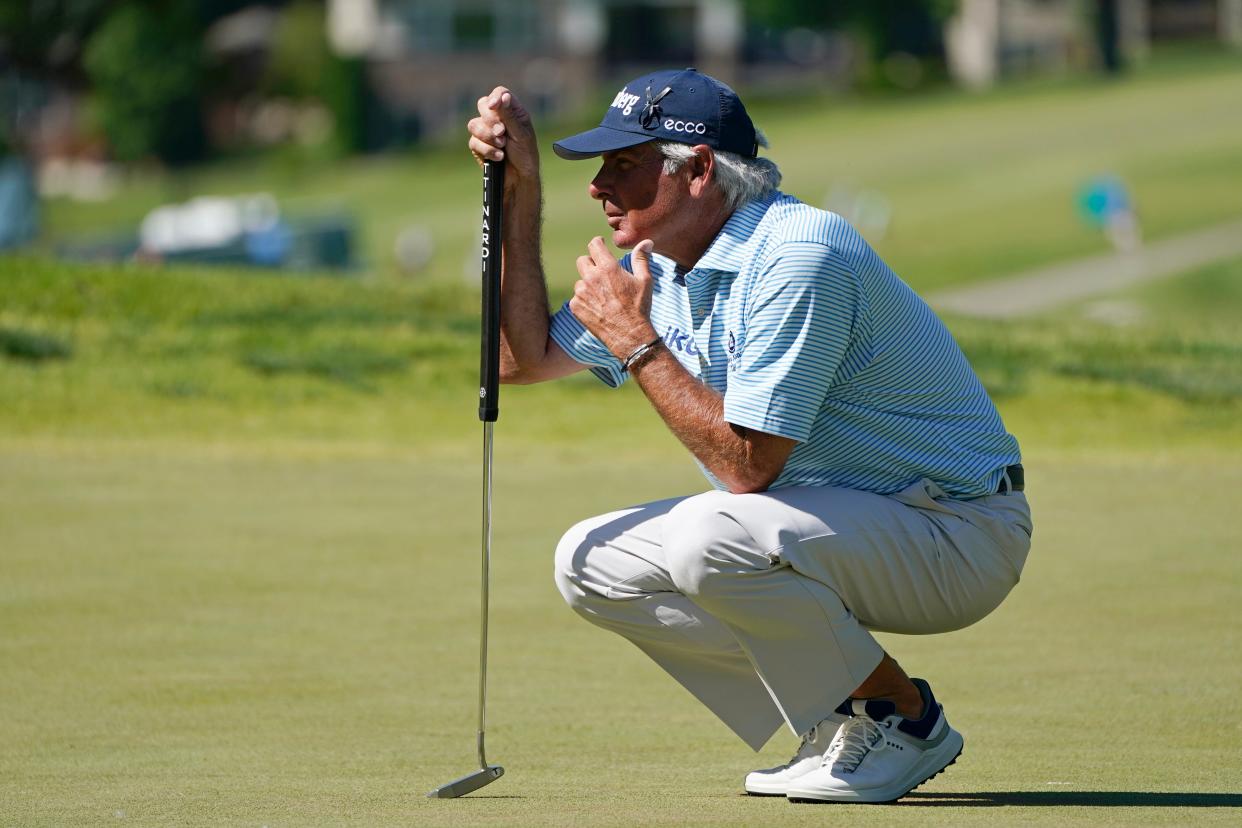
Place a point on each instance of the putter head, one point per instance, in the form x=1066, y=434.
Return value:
x=468, y=784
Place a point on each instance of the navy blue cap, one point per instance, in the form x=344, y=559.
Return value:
x=674, y=105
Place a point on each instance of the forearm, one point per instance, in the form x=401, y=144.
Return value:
x=743, y=460
x=503, y=132
x=524, y=316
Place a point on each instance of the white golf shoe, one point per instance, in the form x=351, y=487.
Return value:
x=775, y=781
x=877, y=756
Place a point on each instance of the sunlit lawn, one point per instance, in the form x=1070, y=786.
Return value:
x=239, y=512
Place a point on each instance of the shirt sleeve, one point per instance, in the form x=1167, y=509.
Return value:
x=798, y=324
x=584, y=347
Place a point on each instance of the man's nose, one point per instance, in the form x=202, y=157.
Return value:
x=600, y=187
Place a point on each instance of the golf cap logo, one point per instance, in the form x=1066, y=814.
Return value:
x=651, y=110
x=624, y=101
x=681, y=105
x=690, y=127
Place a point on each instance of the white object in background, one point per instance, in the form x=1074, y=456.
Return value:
x=206, y=221
x=353, y=26
x=582, y=28
x=718, y=29
x=1229, y=22
x=971, y=40
x=414, y=248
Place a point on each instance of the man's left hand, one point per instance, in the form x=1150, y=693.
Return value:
x=611, y=302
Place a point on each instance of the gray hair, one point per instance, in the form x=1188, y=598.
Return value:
x=740, y=179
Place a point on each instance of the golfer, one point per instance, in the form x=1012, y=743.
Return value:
x=862, y=478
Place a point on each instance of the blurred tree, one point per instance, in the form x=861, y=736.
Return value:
x=303, y=66
x=145, y=65
x=885, y=27
x=40, y=37
x=789, y=14
x=910, y=26
x=1108, y=36
x=300, y=55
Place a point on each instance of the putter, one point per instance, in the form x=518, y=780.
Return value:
x=489, y=410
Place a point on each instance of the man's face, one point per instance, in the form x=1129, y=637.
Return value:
x=639, y=201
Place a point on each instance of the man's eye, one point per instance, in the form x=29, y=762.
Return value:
x=624, y=165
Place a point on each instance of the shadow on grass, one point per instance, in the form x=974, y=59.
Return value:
x=1078, y=799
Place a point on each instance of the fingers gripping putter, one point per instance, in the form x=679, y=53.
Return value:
x=489, y=410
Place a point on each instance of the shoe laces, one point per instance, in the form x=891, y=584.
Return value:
x=807, y=749
x=856, y=738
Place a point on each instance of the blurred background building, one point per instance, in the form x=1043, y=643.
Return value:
x=428, y=61
x=77, y=79
x=89, y=88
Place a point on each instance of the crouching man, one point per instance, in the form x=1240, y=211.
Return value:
x=863, y=480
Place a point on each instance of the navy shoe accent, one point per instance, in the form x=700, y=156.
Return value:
x=922, y=728
x=881, y=709
x=876, y=709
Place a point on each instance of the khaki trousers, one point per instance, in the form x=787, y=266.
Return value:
x=761, y=605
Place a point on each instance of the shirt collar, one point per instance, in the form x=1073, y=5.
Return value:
x=728, y=251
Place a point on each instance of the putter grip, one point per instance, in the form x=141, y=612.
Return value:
x=489, y=356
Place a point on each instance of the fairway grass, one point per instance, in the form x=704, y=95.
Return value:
x=199, y=636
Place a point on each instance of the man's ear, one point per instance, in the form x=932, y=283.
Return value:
x=702, y=169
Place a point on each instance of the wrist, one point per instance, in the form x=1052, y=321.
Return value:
x=642, y=354
x=635, y=337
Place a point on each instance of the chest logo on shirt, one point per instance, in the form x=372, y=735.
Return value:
x=677, y=339
x=731, y=349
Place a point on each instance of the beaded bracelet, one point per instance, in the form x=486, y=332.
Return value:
x=639, y=353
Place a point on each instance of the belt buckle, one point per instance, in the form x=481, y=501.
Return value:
x=1007, y=483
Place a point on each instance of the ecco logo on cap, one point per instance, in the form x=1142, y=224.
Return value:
x=692, y=127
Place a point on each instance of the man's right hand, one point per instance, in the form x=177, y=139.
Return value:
x=503, y=132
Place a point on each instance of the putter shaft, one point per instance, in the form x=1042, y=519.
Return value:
x=486, y=579
x=486, y=773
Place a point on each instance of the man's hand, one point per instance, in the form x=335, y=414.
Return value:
x=613, y=303
x=503, y=132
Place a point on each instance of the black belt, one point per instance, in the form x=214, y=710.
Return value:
x=1012, y=480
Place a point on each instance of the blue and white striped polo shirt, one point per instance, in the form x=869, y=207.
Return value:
x=807, y=334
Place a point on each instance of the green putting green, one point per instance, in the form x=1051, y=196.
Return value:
x=239, y=515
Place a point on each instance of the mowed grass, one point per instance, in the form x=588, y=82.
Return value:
x=977, y=185
x=245, y=592
x=211, y=637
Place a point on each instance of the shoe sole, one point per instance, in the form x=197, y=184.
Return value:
x=773, y=789
x=770, y=788
x=865, y=800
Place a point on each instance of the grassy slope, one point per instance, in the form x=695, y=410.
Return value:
x=235, y=357
x=978, y=185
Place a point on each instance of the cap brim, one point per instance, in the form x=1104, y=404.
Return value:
x=597, y=141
